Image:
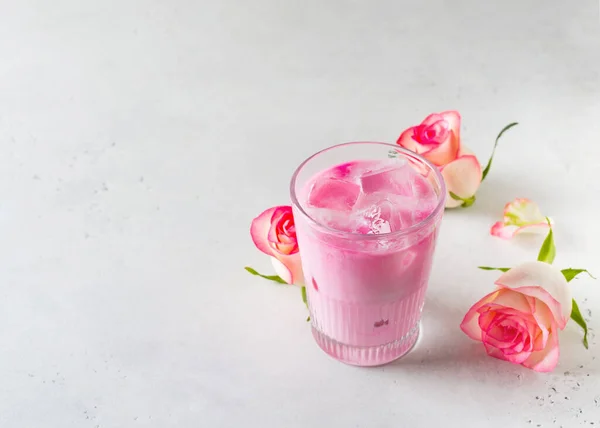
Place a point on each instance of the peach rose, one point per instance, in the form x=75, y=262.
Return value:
x=274, y=233
x=520, y=216
x=437, y=139
x=519, y=322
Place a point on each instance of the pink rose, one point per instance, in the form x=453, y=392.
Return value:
x=437, y=139
x=274, y=233
x=519, y=322
x=520, y=216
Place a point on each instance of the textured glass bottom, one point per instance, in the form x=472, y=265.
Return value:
x=367, y=355
x=369, y=333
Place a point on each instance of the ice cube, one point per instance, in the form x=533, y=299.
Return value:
x=343, y=171
x=339, y=220
x=412, y=212
x=351, y=171
x=402, y=210
x=369, y=221
x=425, y=196
x=372, y=214
x=403, y=219
x=375, y=219
x=421, y=188
x=392, y=176
x=334, y=194
x=423, y=210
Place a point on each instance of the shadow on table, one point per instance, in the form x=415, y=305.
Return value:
x=444, y=351
x=443, y=347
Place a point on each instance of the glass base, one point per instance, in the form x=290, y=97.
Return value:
x=367, y=356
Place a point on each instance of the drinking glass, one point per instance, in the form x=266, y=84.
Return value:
x=365, y=291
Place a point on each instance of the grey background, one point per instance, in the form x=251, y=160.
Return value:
x=139, y=138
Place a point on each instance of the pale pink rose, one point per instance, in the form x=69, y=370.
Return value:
x=437, y=139
x=519, y=322
x=520, y=216
x=274, y=233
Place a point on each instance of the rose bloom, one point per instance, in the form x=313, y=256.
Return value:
x=519, y=322
x=274, y=233
x=437, y=139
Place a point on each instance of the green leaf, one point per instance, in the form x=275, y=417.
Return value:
x=578, y=318
x=466, y=202
x=305, y=300
x=548, y=250
x=489, y=165
x=494, y=268
x=275, y=278
x=570, y=273
x=455, y=196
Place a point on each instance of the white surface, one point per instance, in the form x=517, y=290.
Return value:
x=139, y=138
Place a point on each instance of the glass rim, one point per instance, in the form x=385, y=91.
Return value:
x=360, y=236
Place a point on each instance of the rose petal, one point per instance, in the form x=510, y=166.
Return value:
x=545, y=321
x=533, y=333
x=517, y=357
x=453, y=119
x=406, y=140
x=282, y=270
x=470, y=323
x=518, y=346
x=496, y=343
x=437, y=132
x=432, y=118
x=502, y=231
x=278, y=214
x=527, y=332
x=448, y=150
x=487, y=318
x=512, y=358
x=546, y=359
x=512, y=303
x=525, y=210
x=543, y=282
x=462, y=177
x=259, y=231
x=546, y=298
x=508, y=316
x=289, y=268
x=444, y=153
x=541, y=313
x=492, y=351
x=539, y=228
x=464, y=150
x=492, y=338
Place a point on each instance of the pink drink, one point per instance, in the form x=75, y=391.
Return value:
x=367, y=228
